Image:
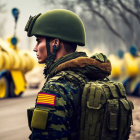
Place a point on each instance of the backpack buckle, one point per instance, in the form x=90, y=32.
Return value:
x=93, y=107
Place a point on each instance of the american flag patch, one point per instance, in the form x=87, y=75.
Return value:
x=46, y=99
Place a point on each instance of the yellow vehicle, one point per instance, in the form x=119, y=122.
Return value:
x=127, y=70
x=14, y=65
x=132, y=65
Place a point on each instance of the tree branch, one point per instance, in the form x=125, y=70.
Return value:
x=129, y=10
x=123, y=17
x=89, y=4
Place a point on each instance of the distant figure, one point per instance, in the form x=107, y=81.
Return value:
x=57, y=112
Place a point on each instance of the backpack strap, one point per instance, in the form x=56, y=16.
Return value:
x=83, y=104
x=113, y=89
x=94, y=97
x=91, y=103
x=121, y=89
x=117, y=89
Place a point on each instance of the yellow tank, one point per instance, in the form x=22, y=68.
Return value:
x=13, y=59
x=127, y=70
x=131, y=65
x=13, y=66
x=116, y=66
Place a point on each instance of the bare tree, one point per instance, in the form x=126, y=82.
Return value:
x=121, y=9
x=121, y=17
x=135, y=7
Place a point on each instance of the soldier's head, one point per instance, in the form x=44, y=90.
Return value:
x=59, y=31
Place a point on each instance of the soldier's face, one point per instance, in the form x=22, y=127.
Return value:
x=40, y=49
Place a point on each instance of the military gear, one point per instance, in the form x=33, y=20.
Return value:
x=39, y=119
x=66, y=79
x=50, y=57
x=59, y=23
x=106, y=113
x=92, y=68
x=62, y=24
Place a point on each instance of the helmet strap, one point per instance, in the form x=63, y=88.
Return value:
x=50, y=57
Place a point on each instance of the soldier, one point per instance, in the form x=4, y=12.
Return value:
x=56, y=115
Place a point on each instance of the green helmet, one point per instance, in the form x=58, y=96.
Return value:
x=58, y=23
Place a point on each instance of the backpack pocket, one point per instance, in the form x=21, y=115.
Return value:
x=93, y=119
x=39, y=119
x=112, y=114
x=92, y=114
x=125, y=119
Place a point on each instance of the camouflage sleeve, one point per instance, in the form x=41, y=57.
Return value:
x=59, y=106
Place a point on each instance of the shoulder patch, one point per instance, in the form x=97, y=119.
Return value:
x=46, y=99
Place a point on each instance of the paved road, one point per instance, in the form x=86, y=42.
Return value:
x=135, y=133
x=13, y=119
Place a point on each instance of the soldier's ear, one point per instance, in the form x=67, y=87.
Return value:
x=56, y=42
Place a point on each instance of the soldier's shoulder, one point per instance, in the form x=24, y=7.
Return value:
x=58, y=76
x=68, y=75
x=63, y=83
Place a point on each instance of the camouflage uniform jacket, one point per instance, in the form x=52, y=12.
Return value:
x=63, y=87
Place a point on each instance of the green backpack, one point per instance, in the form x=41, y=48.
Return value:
x=106, y=113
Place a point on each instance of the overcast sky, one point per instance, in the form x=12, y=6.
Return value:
x=26, y=8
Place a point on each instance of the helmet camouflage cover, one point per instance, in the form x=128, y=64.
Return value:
x=58, y=23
